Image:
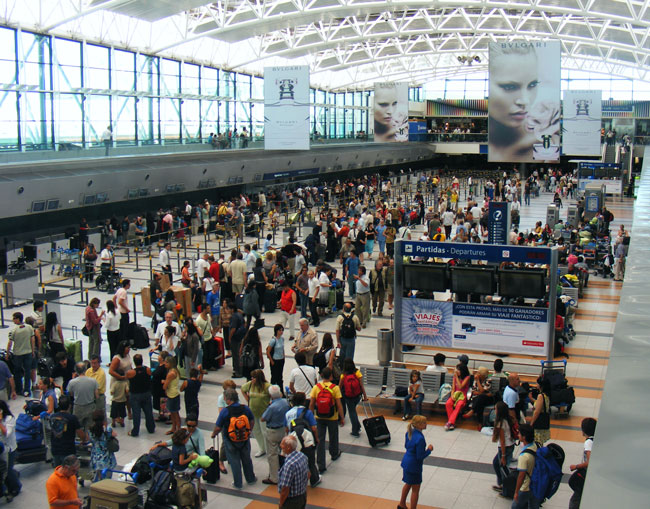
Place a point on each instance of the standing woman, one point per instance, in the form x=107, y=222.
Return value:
x=275, y=355
x=54, y=334
x=225, y=314
x=541, y=420
x=458, y=397
x=256, y=392
x=503, y=435
x=8, y=438
x=100, y=456
x=416, y=452
x=259, y=275
x=93, y=326
x=351, y=384
x=112, y=319
x=370, y=239
x=170, y=385
x=120, y=364
x=193, y=347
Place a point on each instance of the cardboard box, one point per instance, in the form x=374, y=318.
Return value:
x=184, y=298
x=164, y=283
x=145, y=296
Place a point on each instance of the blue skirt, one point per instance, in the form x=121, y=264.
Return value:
x=412, y=477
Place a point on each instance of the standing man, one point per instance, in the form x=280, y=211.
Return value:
x=314, y=289
x=293, y=476
x=238, y=271
x=302, y=289
x=273, y=417
x=96, y=372
x=524, y=498
x=347, y=325
x=22, y=344
x=288, y=300
x=329, y=412
x=351, y=266
x=301, y=423
x=202, y=265
x=121, y=300
x=390, y=279
x=238, y=445
x=61, y=486
x=237, y=332
x=511, y=396
x=85, y=392
x=307, y=342
x=140, y=394
x=619, y=263
x=107, y=139
x=390, y=234
x=65, y=427
x=165, y=261
x=378, y=287
x=6, y=382
x=362, y=303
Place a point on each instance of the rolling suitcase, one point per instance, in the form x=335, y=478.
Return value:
x=220, y=358
x=138, y=335
x=213, y=474
x=109, y=494
x=36, y=455
x=270, y=300
x=340, y=300
x=375, y=427
x=73, y=346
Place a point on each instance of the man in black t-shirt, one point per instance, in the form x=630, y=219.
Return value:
x=64, y=428
x=237, y=331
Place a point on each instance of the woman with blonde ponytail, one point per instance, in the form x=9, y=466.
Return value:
x=416, y=452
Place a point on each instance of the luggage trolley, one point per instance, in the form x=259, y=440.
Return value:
x=562, y=396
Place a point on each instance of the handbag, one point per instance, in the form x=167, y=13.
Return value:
x=401, y=391
x=577, y=479
x=112, y=444
x=85, y=331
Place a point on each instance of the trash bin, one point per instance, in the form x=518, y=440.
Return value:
x=384, y=346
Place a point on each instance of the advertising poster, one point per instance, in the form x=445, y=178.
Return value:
x=391, y=112
x=480, y=327
x=524, y=101
x=286, y=108
x=418, y=130
x=581, y=122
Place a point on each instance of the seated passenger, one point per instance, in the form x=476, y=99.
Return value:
x=438, y=364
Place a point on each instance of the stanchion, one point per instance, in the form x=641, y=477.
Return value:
x=205, y=241
x=2, y=313
x=45, y=307
x=135, y=310
x=137, y=264
x=81, y=289
x=40, y=273
x=150, y=266
x=128, y=253
x=178, y=260
x=74, y=280
x=185, y=249
x=274, y=235
x=86, y=292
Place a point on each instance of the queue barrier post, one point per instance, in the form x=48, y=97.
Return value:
x=2, y=313
x=135, y=309
x=137, y=258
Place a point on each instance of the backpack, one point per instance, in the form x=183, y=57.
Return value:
x=142, y=468
x=34, y=407
x=351, y=386
x=348, y=330
x=444, y=393
x=299, y=425
x=547, y=473
x=325, y=402
x=320, y=360
x=163, y=488
x=161, y=456
x=239, y=427
x=248, y=357
x=59, y=425
x=186, y=496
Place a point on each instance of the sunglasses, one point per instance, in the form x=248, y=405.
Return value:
x=191, y=425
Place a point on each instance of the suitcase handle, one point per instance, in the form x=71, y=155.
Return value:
x=365, y=411
x=133, y=475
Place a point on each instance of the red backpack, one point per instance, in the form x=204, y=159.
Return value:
x=351, y=386
x=325, y=402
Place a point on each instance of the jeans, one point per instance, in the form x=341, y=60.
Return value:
x=352, y=286
x=235, y=343
x=330, y=428
x=347, y=348
x=350, y=404
x=141, y=401
x=496, y=462
x=525, y=501
x=418, y=404
x=23, y=371
x=94, y=342
x=239, y=458
x=304, y=303
x=310, y=452
x=12, y=481
x=313, y=309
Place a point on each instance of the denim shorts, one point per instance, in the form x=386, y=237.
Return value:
x=174, y=404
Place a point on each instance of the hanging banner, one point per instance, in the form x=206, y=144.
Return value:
x=524, y=101
x=512, y=329
x=391, y=111
x=581, y=112
x=286, y=108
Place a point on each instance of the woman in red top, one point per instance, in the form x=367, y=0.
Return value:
x=93, y=324
x=288, y=301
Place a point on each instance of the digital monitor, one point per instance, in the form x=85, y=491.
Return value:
x=89, y=199
x=52, y=204
x=144, y=192
x=479, y=280
x=133, y=193
x=101, y=197
x=179, y=187
x=430, y=277
x=171, y=188
x=529, y=283
x=38, y=206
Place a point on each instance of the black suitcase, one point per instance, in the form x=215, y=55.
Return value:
x=213, y=474
x=340, y=300
x=508, y=481
x=375, y=426
x=239, y=301
x=270, y=300
x=34, y=455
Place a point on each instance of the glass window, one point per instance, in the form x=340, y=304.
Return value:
x=8, y=121
x=8, y=56
x=68, y=115
x=148, y=126
x=67, y=72
x=35, y=108
x=190, y=79
x=147, y=74
x=123, y=70
x=191, y=111
x=169, y=82
x=96, y=63
x=170, y=120
x=209, y=81
x=98, y=117
x=124, y=120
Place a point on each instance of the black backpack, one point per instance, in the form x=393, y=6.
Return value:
x=299, y=424
x=348, y=330
x=142, y=468
x=320, y=360
x=248, y=356
x=163, y=488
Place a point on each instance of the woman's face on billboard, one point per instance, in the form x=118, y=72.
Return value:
x=385, y=105
x=513, y=88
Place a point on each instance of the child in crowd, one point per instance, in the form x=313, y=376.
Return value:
x=190, y=389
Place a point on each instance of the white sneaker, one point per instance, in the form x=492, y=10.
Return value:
x=259, y=454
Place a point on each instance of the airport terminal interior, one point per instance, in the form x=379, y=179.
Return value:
x=213, y=126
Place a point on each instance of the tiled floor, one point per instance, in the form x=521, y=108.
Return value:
x=459, y=472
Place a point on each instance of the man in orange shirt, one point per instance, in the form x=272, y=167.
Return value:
x=62, y=485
